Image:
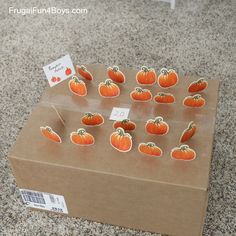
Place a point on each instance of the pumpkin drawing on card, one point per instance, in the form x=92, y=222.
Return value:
x=198, y=86
x=48, y=133
x=108, y=89
x=157, y=126
x=92, y=119
x=194, y=101
x=82, y=138
x=150, y=149
x=164, y=98
x=77, y=87
x=84, y=73
x=115, y=74
x=141, y=95
x=184, y=153
x=188, y=132
x=146, y=76
x=126, y=124
x=167, y=78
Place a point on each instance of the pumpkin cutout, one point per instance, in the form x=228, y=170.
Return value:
x=157, y=126
x=125, y=124
x=194, y=101
x=108, y=89
x=184, y=153
x=164, y=98
x=189, y=132
x=82, y=138
x=50, y=134
x=77, y=86
x=146, y=76
x=84, y=73
x=121, y=141
x=150, y=149
x=141, y=95
x=92, y=119
x=167, y=78
x=115, y=74
x=198, y=85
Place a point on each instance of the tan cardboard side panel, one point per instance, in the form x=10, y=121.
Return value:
x=133, y=203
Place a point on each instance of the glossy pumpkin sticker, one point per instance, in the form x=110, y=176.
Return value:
x=82, y=138
x=157, y=126
x=121, y=141
x=108, y=89
x=115, y=74
x=194, y=101
x=83, y=72
x=164, y=98
x=50, y=134
x=126, y=124
x=150, y=149
x=92, y=119
x=77, y=86
x=198, y=85
x=184, y=153
x=167, y=78
x=146, y=76
x=189, y=132
x=141, y=95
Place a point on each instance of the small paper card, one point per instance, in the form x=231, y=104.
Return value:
x=119, y=113
x=59, y=70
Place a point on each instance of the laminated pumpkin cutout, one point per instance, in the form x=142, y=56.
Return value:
x=184, y=153
x=108, y=89
x=92, y=119
x=157, y=126
x=198, y=86
x=194, y=101
x=126, y=124
x=50, y=134
x=150, y=149
x=167, y=78
x=164, y=98
x=121, y=141
x=77, y=86
x=84, y=73
x=141, y=95
x=146, y=76
x=82, y=138
x=189, y=132
x=115, y=74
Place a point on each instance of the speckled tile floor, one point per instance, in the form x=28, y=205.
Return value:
x=198, y=37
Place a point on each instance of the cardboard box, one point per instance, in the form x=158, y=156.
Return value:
x=127, y=189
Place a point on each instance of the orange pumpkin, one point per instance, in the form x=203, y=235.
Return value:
x=82, y=138
x=115, y=74
x=77, y=86
x=164, y=98
x=157, y=126
x=194, y=101
x=141, y=95
x=146, y=76
x=189, y=132
x=50, y=134
x=108, y=89
x=167, y=78
x=198, y=85
x=150, y=148
x=184, y=152
x=126, y=124
x=82, y=71
x=120, y=140
x=92, y=119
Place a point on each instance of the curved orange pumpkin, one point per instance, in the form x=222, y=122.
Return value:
x=198, y=85
x=126, y=124
x=141, y=95
x=115, y=74
x=157, y=126
x=92, y=119
x=150, y=148
x=167, y=78
x=194, y=101
x=82, y=138
x=189, y=132
x=121, y=141
x=184, y=152
x=146, y=76
x=77, y=86
x=82, y=71
x=108, y=89
x=164, y=98
x=50, y=134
